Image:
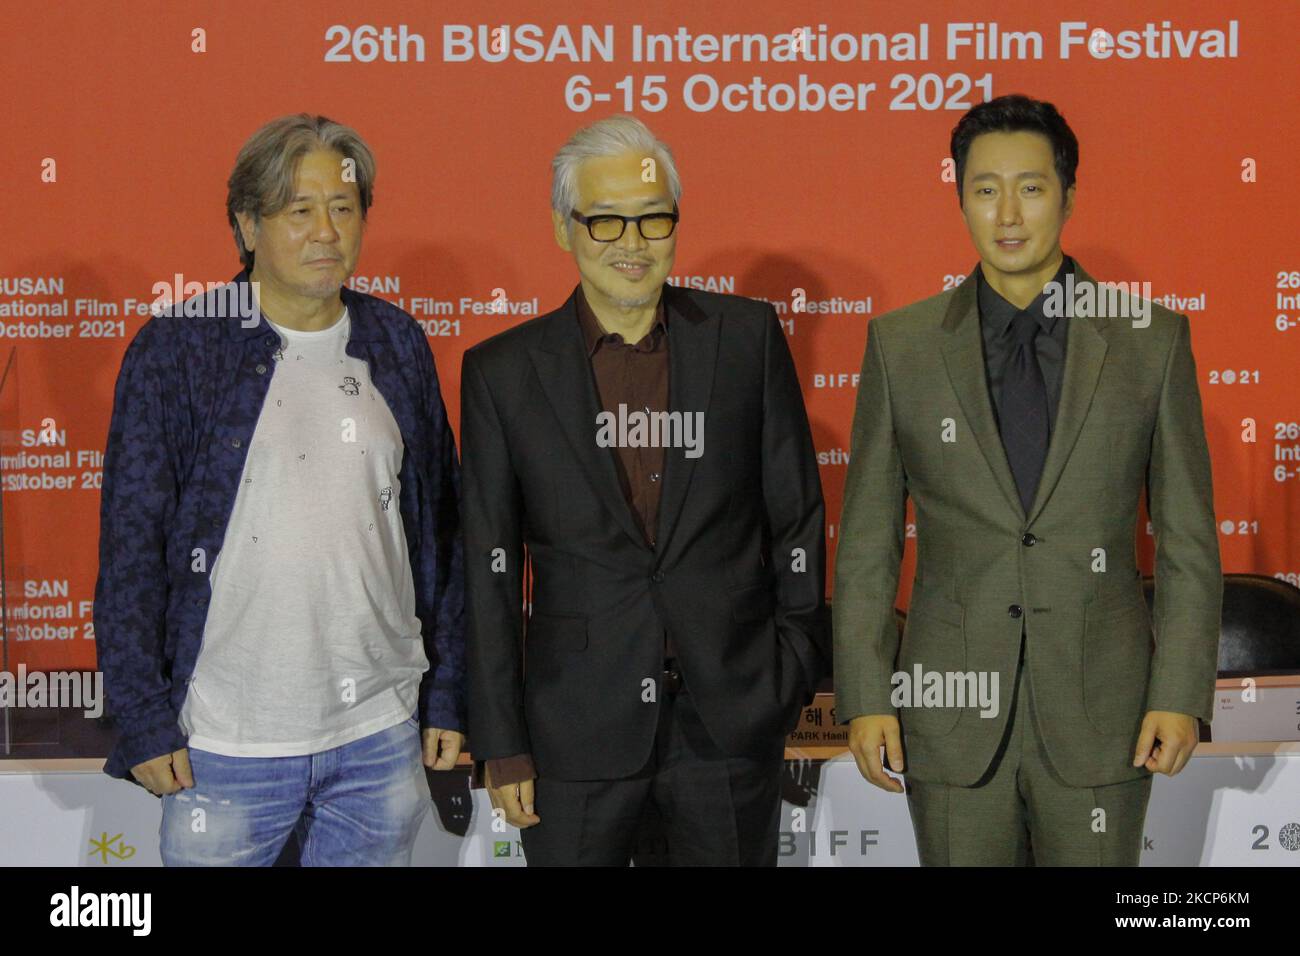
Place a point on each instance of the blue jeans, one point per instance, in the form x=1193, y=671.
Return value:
x=361, y=804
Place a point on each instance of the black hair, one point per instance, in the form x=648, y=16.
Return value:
x=1016, y=113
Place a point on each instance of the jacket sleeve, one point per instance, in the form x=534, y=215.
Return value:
x=494, y=573
x=137, y=506
x=1188, y=576
x=442, y=690
x=792, y=493
x=870, y=550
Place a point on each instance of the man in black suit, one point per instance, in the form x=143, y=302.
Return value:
x=648, y=447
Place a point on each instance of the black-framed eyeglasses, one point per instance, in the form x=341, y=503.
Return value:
x=608, y=227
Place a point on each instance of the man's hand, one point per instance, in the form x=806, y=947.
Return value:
x=441, y=748
x=866, y=736
x=1178, y=735
x=165, y=774
x=516, y=799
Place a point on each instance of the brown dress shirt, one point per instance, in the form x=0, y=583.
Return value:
x=634, y=375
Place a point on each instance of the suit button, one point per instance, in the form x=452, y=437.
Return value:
x=657, y=577
x=1028, y=540
x=261, y=369
x=1015, y=610
x=235, y=442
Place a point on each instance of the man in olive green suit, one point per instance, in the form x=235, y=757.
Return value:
x=1025, y=437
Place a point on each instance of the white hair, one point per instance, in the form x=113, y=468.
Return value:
x=608, y=137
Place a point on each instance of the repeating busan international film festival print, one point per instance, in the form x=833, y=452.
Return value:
x=836, y=206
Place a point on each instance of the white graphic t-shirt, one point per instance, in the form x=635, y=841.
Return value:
x=311, y=639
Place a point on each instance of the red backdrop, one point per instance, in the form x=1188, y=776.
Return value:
x=124, y=121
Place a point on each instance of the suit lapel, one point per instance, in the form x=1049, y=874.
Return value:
x=692, y=358
x=963, y=355
x=564, y=370
x=1085, y=351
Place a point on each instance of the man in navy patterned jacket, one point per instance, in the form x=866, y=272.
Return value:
x=279, y=607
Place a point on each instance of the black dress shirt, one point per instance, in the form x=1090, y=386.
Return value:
x=996, y=315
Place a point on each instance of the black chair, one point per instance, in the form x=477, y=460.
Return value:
x=1260, y=633
x=1260, y=629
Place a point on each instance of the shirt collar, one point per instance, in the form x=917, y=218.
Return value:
x=594, y=334
x=998, y=313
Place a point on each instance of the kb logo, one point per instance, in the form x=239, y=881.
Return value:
x=113, y=846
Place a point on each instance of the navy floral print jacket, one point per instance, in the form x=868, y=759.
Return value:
x=185, y=406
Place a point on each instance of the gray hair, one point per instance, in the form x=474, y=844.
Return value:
x=608, y=137
x=262, y=181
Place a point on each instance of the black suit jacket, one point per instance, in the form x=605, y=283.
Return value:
x=738, y=577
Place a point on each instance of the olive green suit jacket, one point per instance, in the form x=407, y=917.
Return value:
x=924, y=427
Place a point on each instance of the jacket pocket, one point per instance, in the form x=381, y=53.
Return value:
x=753, y=610
x=752, y=602
x=934, y=640
x=549, y=632
x=1116, y=665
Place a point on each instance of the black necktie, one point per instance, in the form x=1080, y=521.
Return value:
x=1023, y=413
